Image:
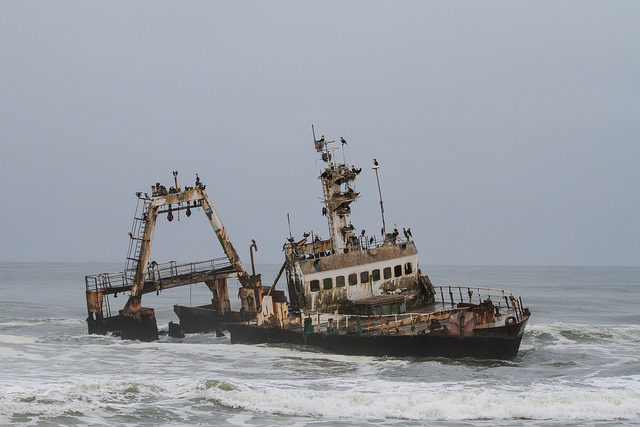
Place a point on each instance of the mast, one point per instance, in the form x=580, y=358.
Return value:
x=337, y=196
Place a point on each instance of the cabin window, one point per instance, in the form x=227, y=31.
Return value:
x=387, y=273
x=408, y=268
x=353, y=279
x=364, y=277
x=376, y=274
x=397, y=270
x=339, y=281
x=315, y=285
x=327, y=283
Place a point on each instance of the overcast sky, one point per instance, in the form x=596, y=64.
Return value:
x=507, y=132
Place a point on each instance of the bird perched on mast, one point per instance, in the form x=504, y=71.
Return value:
x=343, y=141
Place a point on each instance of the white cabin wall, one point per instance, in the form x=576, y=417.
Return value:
x=360, y=290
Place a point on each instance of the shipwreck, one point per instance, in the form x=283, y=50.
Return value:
x=353, y=293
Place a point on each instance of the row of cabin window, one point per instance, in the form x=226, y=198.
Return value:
x=364, y=277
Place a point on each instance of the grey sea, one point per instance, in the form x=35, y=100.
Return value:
x=579, y=363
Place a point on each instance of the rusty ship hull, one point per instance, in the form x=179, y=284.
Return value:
x=501, y=342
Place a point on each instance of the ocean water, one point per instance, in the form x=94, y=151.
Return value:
x=579, y=363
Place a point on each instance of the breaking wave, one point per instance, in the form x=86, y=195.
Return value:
x=442, y=401
x=604, y=399
x=35, y=322
x=565, y=372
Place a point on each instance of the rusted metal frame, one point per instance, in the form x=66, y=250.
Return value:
x=224, y=239
x=195, y=194
x=251, y=248
x=409, y=318
x=520, y=306
x=514, y=307
x=151, y=216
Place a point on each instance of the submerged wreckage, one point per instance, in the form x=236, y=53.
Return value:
x=351, y=294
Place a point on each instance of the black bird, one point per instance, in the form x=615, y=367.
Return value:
x=405, y=233
x=306, y=234
x=291, y=239
x=343, y=141
x=409, y=232
x=362, y=232
x=375, y=162
x=324, y=211
x=371, y=240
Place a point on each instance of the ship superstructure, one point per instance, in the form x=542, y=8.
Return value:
x=351, y=267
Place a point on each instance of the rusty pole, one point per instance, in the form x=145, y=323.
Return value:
x=251, y=248
x=225, y=242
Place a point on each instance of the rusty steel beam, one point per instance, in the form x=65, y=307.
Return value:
x=134, y=303
x=225, y=241
x=150, y=217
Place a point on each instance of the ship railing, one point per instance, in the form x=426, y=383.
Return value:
x=159, y=271
x=460, y=298
x=501, y=298
x=155, y=272
x=376, y=324
x=365, y=242
x=373, y=242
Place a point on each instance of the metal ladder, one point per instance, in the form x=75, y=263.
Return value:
x=136, y=237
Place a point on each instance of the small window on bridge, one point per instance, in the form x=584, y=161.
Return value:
x=327, y=283
x=340, y=282
x=315, y=285
x=408, y=268
x=397, y=270
x=353, y=279
x=364, y=277
x=376, y=274
x=387, y=273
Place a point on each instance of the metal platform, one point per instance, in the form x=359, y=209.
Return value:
x=158, y=277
